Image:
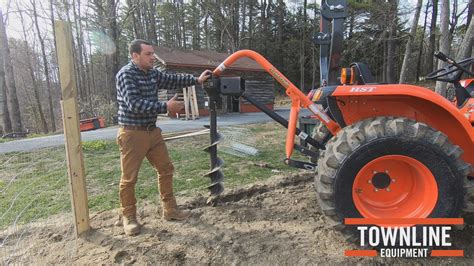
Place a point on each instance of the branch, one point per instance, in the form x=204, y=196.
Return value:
x=129, y=12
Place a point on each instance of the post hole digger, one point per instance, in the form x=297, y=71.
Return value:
x=389, y=150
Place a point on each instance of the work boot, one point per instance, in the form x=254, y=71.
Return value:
x=131, y=226
x=171, y=212
x=170, y=208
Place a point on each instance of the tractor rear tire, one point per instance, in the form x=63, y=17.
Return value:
x=391, y=167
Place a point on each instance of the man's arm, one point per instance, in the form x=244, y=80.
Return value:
x=174, y=81
x=128, y=90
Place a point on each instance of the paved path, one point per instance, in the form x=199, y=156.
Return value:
x=171, y=125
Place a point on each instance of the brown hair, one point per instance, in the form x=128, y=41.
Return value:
x=135, y=46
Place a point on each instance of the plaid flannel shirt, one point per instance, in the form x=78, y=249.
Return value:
x=137, y=93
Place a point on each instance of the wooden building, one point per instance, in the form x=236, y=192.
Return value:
x=258, y=83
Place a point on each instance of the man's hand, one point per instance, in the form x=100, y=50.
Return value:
x=204, y=76
x=174, y=106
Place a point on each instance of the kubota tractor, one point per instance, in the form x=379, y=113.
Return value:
x=381, y=150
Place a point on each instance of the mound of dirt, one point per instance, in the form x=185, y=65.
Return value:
x=276, y=222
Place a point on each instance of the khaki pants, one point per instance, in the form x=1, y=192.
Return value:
x=134, y=146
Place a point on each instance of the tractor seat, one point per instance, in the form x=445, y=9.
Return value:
x=356, y=74
x=364, y=74
x=468, y=86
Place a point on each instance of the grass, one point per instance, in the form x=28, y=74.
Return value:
x=34, y=184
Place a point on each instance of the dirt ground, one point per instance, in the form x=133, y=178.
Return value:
x=276, y=222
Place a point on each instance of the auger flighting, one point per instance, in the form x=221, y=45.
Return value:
x=215, y=174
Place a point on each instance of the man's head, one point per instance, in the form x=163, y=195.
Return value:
x=142, y=53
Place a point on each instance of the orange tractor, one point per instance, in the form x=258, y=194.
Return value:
x=381, y=150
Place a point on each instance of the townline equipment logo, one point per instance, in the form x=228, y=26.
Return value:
x=405, y=237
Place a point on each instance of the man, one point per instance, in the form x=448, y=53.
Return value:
x=138, y=137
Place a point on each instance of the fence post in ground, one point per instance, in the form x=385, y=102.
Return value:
x=72, y=134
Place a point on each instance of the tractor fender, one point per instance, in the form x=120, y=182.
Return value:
x=420, y=104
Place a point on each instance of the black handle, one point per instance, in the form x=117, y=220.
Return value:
x=441, y=56
x=445, y=58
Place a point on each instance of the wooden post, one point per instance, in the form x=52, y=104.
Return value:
x=185, y=95
x=196, y=108
x=191, y=102
x=72, y=134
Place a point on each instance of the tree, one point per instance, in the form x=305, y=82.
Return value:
x=470, y=10
x=5, y=122
x=279, y=30
x=42, y=119
x=444, y=43
x=420, y=50
x=107, y=20
x=302, y=54
x=79, y=54
x=134, y=9
x=252, y=4
x=49, y=86
x=392, y=42
x=150, y=7
x=432, y=38
x=465, y=50
x=12, y=98
x=280, y=18
x=405, y=66
x=197, y=27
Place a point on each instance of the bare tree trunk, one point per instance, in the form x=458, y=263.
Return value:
x=280, y=22
x=177, y=25
x=78, y=52
x=183, y=25
x=244, y=18
x=112, y=58
x=43, y=124
x=445, y=44
x=313, y=56
x=302, y=55
x=86, y=66
x=13, y=105
x=235, y=7
x=196, y=28
x=251, y=15
x=136, y=19
x=80, y=87
x=411, y=37
x=351, y=25
x=263, y=29
x=454, y=19
x=33, y=109
x=140, y=19
x=465, y=50
x=420, y=52
x=432, y=40
x=151, y=9
x=91, y=64
x=46, y=67
x=470, y=10
x=5, y=122
x=80, y=44
x=206, y=30
x=268, y=24
x=392, y=44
